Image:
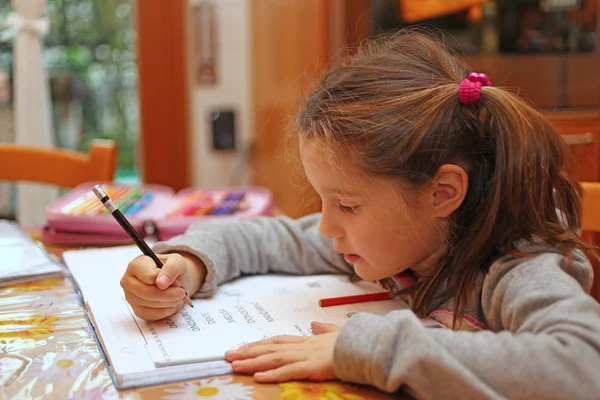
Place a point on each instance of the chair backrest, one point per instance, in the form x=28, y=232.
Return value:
x=64, y=168
x=591, y=206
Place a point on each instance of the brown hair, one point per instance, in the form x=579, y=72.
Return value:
x=395, y=104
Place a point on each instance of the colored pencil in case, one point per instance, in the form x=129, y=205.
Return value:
x=140, y=204
x=234, y=198
x=89, y=203
x=192, y=207
x=98, y=208
x=67, y=208
x=219, y=200
x=203, y=208
x=127, y=200
x=230, y=206
x=223, y=207
x=126, y=204
x=358, y=298
x=81, y=207
x=118, y=193
x=240, y=202
x=186, y=202
x=243, y=205
x=188, y=209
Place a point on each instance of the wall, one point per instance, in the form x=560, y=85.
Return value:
x=232, y=90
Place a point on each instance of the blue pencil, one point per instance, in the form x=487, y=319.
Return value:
x=141, y=203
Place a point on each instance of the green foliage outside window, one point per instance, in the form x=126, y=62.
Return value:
x=91, y=64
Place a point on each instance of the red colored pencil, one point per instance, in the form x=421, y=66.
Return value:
x=357, y=298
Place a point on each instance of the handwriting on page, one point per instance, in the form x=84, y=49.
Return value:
x=241, y=313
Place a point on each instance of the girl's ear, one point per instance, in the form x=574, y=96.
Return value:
x=448, y=189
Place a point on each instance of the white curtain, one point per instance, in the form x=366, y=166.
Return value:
x=33, y=125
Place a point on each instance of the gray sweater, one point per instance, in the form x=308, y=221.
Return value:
x=534, y=335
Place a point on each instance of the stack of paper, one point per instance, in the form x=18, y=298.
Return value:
x=23, y=260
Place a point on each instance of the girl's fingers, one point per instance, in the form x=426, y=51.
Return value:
x=246, y=352
x=152, y=292
x=268, y=361
x=322, y=327
x=174, y=267
x=296, y=371
x=138, y=301
x=154, y=314
x=282, y=339
x=142, y=268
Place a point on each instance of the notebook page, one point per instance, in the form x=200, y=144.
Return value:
x=10, y=233
x=255, y=308
x=97, y=273
x=126, y=347
x=191, y=343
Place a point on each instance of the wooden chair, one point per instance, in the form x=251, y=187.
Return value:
x=591, y=226
x=591, y=206
x=60, y=167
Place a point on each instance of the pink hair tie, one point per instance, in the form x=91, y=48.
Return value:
x=469, y=89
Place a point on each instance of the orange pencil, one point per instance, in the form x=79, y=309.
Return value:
x=357, y=298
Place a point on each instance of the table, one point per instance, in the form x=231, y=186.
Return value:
x=47, y=351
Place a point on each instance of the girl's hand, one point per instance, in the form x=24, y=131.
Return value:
x=284, y=358
x=156, y=293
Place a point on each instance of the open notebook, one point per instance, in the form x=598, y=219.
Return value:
x=22, y=259
x=191, y=343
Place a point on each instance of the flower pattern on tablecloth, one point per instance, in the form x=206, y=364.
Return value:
x=12, y=367
x=52, y=304
x=59, y=366
x=36, y=327
x=37, y=286
x=317, y=391
x=97, y=393
x=214, y=389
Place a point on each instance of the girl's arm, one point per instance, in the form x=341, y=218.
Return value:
x=230, y=248
x=547, y=344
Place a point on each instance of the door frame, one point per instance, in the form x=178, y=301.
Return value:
x=164, y=87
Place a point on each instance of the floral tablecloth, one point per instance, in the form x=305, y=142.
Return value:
x=47, y=351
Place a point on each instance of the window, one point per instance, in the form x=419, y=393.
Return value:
x=91, y=64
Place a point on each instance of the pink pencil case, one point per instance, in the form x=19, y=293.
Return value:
x=79, y=218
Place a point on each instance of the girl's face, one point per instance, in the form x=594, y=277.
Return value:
x=369, y=220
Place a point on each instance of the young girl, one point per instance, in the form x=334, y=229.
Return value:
x=450, y=189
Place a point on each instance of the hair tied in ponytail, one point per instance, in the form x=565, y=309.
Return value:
x=469, y=89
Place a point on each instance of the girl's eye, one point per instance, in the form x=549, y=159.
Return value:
x=349, y=209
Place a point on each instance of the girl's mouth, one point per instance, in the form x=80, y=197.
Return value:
x=351, y=258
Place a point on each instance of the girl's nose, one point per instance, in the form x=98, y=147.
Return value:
x=329, y=229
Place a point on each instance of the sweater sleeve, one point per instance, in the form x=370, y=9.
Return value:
x=232, y=247
x=544, y=341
